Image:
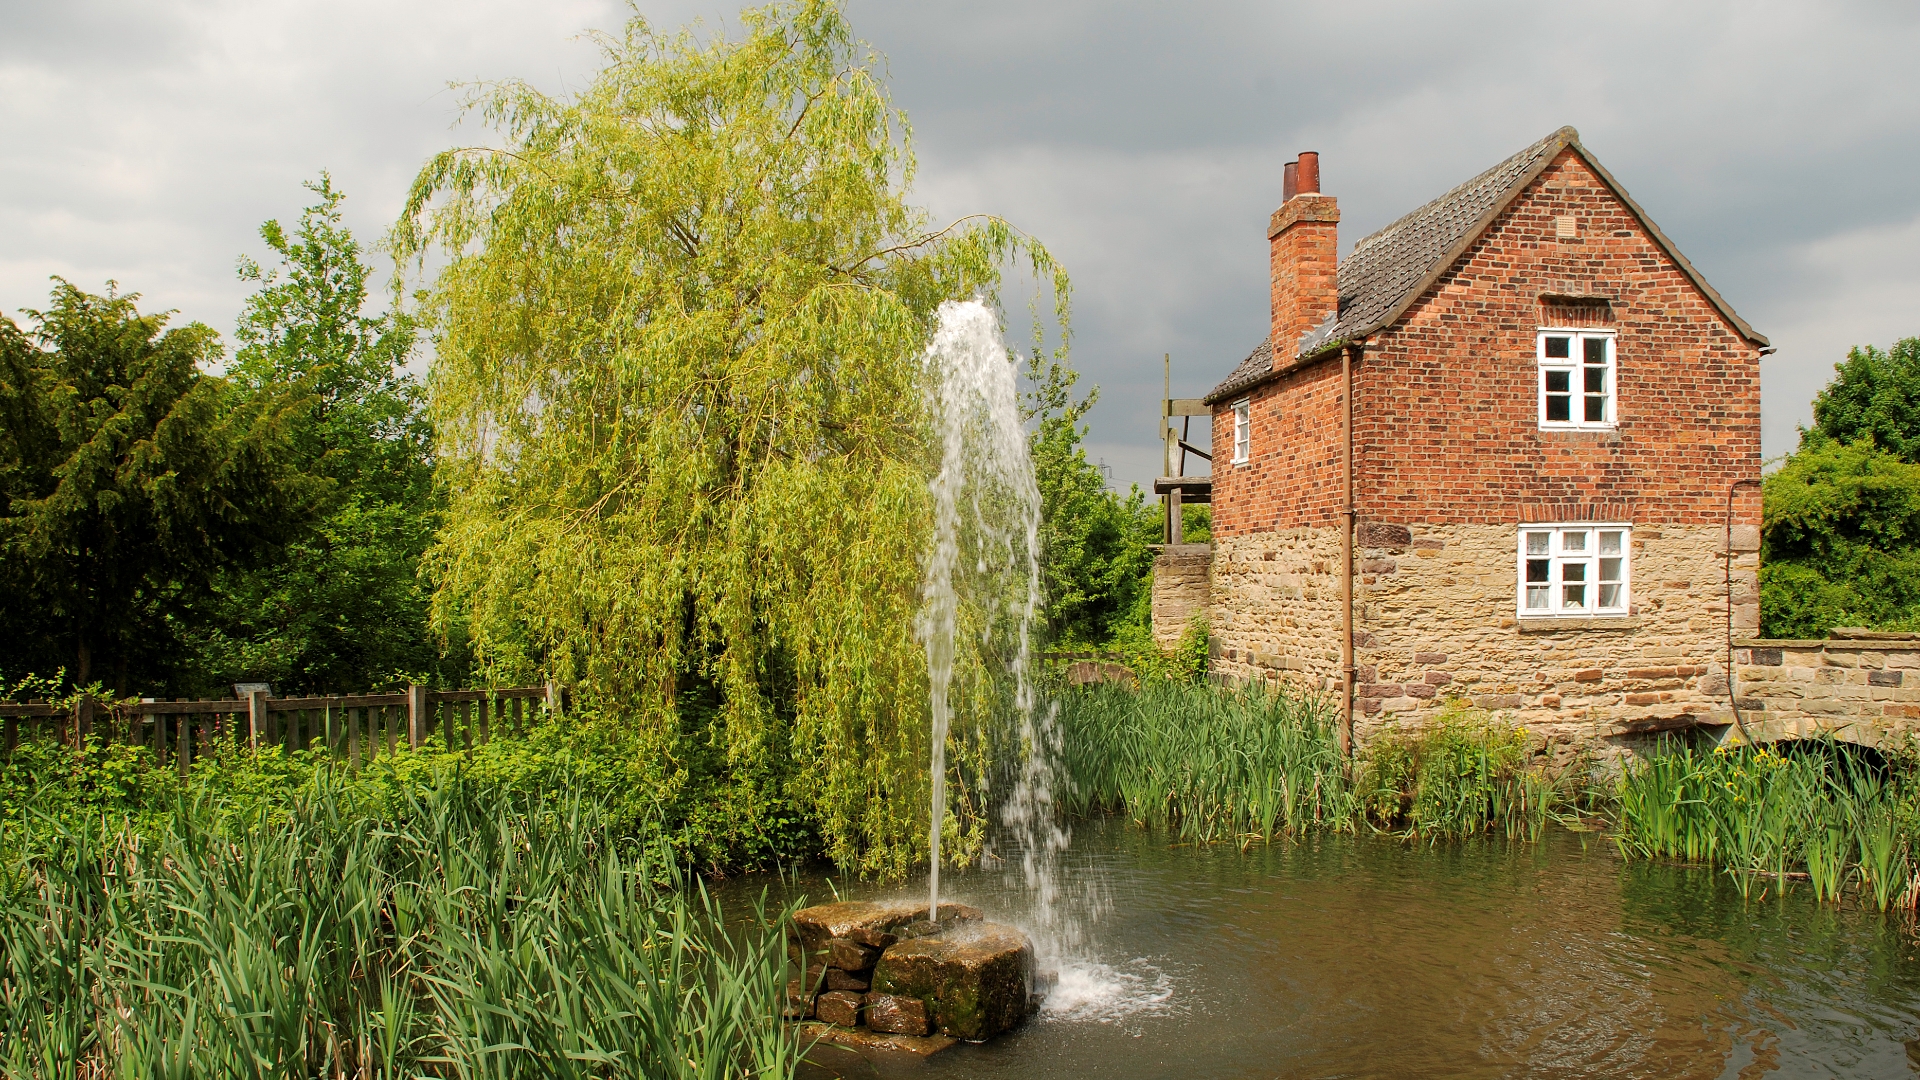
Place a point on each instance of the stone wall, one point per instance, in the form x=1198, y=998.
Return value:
x=1437, y=608
x=1180, y=589
x=1275, y=606
x=1856, y=686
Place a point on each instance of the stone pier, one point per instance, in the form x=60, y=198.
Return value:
x=1181, y=589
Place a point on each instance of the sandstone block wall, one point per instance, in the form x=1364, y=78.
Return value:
x=1857, y=689
x=1274, y=610
x=1180, y=589
x=1437, y=610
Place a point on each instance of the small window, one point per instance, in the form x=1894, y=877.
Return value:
x=1242, y=430
x=1577, y=379
x=1574, y=569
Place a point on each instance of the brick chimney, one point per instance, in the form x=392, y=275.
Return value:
x=1303, y=239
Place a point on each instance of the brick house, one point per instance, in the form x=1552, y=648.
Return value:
x=1554, y=430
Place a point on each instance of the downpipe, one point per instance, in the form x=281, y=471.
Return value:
x=1346, y=551
x=1726, y=552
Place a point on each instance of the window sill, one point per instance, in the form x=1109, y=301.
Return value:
x=1547, y=624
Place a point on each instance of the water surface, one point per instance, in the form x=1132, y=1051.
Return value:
x=1365, y=957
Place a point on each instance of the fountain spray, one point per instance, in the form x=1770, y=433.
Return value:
x=987, y=508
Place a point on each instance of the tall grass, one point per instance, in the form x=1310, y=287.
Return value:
x=1208, y=763
x=1822, y=811
x=466, y=935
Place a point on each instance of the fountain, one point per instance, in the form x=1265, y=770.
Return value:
x=909, y=976
x=987, y=504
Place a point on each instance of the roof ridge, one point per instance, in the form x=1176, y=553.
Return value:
x=1571, y=135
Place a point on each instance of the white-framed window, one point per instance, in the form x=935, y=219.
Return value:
x=1577, y=379
x=1582, y=569
x=1242, y=430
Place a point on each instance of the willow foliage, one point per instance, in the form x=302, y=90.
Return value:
x=679, y=400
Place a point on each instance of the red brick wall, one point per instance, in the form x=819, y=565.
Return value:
x=1446, y=428
x=1293, y=477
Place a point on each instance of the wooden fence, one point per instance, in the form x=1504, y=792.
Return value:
x=356, y=726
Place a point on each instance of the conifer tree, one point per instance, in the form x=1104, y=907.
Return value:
x=128, y=478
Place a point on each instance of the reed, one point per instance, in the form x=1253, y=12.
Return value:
x=1213, y=763
x=463, y=935
x=1824, y=811
x=1205, y=762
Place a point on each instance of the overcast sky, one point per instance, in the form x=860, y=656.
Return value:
x=1777, y=144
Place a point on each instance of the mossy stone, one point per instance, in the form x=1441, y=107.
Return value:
x=976, y=980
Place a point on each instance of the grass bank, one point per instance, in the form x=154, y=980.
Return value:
x=462, y=933
x=647, y=785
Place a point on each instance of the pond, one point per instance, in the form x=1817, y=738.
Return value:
x=1369, y=957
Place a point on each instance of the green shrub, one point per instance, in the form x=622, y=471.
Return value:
x=1839, y=544
x=1462, y=774
x=711, y=816
x=1187, y=661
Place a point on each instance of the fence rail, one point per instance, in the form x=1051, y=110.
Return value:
x=356, y=726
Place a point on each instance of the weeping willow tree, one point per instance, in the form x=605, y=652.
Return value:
x=678, y=392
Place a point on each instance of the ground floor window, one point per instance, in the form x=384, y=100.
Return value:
x=1574, y=569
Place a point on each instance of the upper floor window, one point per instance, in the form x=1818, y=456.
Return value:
x=1577, y=379
x=1242, y=430
x=1575, y=569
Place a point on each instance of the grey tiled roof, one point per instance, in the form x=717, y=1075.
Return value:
x=1382, y=269
x=1385, y=267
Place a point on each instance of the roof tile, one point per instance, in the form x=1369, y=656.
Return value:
x=1382, y=268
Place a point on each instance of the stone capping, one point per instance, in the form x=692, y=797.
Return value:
x=1832, y=644
x=1547, y=624
x=1861, y=633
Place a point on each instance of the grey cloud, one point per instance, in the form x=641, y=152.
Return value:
x=1143, y=142
x=1754, y=134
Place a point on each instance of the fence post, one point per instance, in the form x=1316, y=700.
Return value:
x=159, y=733
x=553, y=697
x=256, y=717
x=417, y=718
x=82, y=719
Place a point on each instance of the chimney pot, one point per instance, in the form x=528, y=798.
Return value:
x=1290, y=181
x=1309, y=178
